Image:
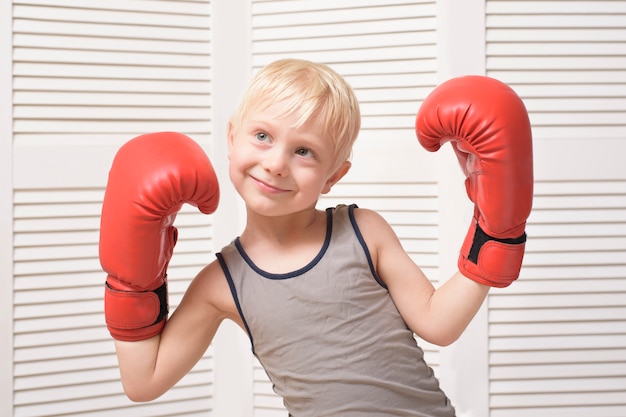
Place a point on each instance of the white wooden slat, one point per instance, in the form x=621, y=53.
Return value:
x=378, y=40
x=540, y=329
x=561, y=20
x=592, y=49
x=112, y=31
x=587, y=397
x=303, y=6
x=539, y=315
x=558, y=370
x=123, y=113
x=591, y=215
x=57, y=280
x=145, y=59
x=348, y=28
x=565, y=356
x=558, y=78
x=69, y=358
x=71, y=378
x=544, y=7
x=129, y=128
x=355, y=54
x=565, y=410
x=141, y=86
x=562, y=300
x=102, y=15
x=66, y=392
x=385, y=77
x=191, y=7
x=94, y=43
x=360, y=13
x=558, y=342
x=168, y=406
x=30, y=69
x=534, y=288
x=585, y=35
x=109, y=99
x=366, y=95
x=560, y=63
x=547, y=92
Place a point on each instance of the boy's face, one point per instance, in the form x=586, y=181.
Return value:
x=278, y=169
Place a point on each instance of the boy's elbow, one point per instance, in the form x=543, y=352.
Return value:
x=140, y=393
x=442, y=339
x=137, y=396
x=445, y=341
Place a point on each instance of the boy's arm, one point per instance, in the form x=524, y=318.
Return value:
x=150, y=179
x=488, y=127
x=150, y=367
x=438, y=316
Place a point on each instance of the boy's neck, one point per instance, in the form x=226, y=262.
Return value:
x=284, y=244
x=287, y=230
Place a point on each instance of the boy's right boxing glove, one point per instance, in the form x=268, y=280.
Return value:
x=151, y=177
x=488, y=126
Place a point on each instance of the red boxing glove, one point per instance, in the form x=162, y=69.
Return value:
x=152, y=176
x=487, y=124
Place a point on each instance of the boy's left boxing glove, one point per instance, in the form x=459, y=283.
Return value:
x=487, y=124
x=151, y=177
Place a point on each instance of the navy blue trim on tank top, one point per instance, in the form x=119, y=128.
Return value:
x=233, y=291
x=364, y=245
x=298, y=272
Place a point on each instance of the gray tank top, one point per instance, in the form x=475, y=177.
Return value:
x=329, y=335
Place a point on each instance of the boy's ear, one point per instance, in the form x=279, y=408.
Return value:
x=230, y=136
x=337, y=175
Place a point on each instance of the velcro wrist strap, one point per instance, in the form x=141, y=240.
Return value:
x=128, y=312
x=491, y=261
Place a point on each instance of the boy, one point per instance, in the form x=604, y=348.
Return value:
x=329, y=299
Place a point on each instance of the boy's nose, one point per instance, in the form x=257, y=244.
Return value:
x=276, y=162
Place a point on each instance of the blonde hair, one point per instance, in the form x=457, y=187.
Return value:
x=310, y=91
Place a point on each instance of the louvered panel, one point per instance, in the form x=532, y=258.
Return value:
x=557, y=335
x=64, y=361
x=387, y=53
x=567, y=59
x=557, y=343
x=125, y=68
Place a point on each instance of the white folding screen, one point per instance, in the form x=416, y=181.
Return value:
x=87, y=76
x=558, y=336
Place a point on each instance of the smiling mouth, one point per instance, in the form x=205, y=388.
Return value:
x=267, y=187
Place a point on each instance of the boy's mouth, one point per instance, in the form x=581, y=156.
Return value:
x=264, y=186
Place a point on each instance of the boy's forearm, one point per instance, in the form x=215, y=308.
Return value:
x=137, y=363
x=454, y=305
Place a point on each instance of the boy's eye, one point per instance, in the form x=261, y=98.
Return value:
x=262, y=136
x=304, y=152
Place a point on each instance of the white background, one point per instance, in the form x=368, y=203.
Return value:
x=78, y=78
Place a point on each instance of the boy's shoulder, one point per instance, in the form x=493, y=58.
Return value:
x=369, y=218
x=213, y=288
x=373, y=227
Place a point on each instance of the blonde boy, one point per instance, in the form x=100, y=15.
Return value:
x=329, y=298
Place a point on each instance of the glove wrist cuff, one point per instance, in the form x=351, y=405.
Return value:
x=491, y=261
x=135, y=315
